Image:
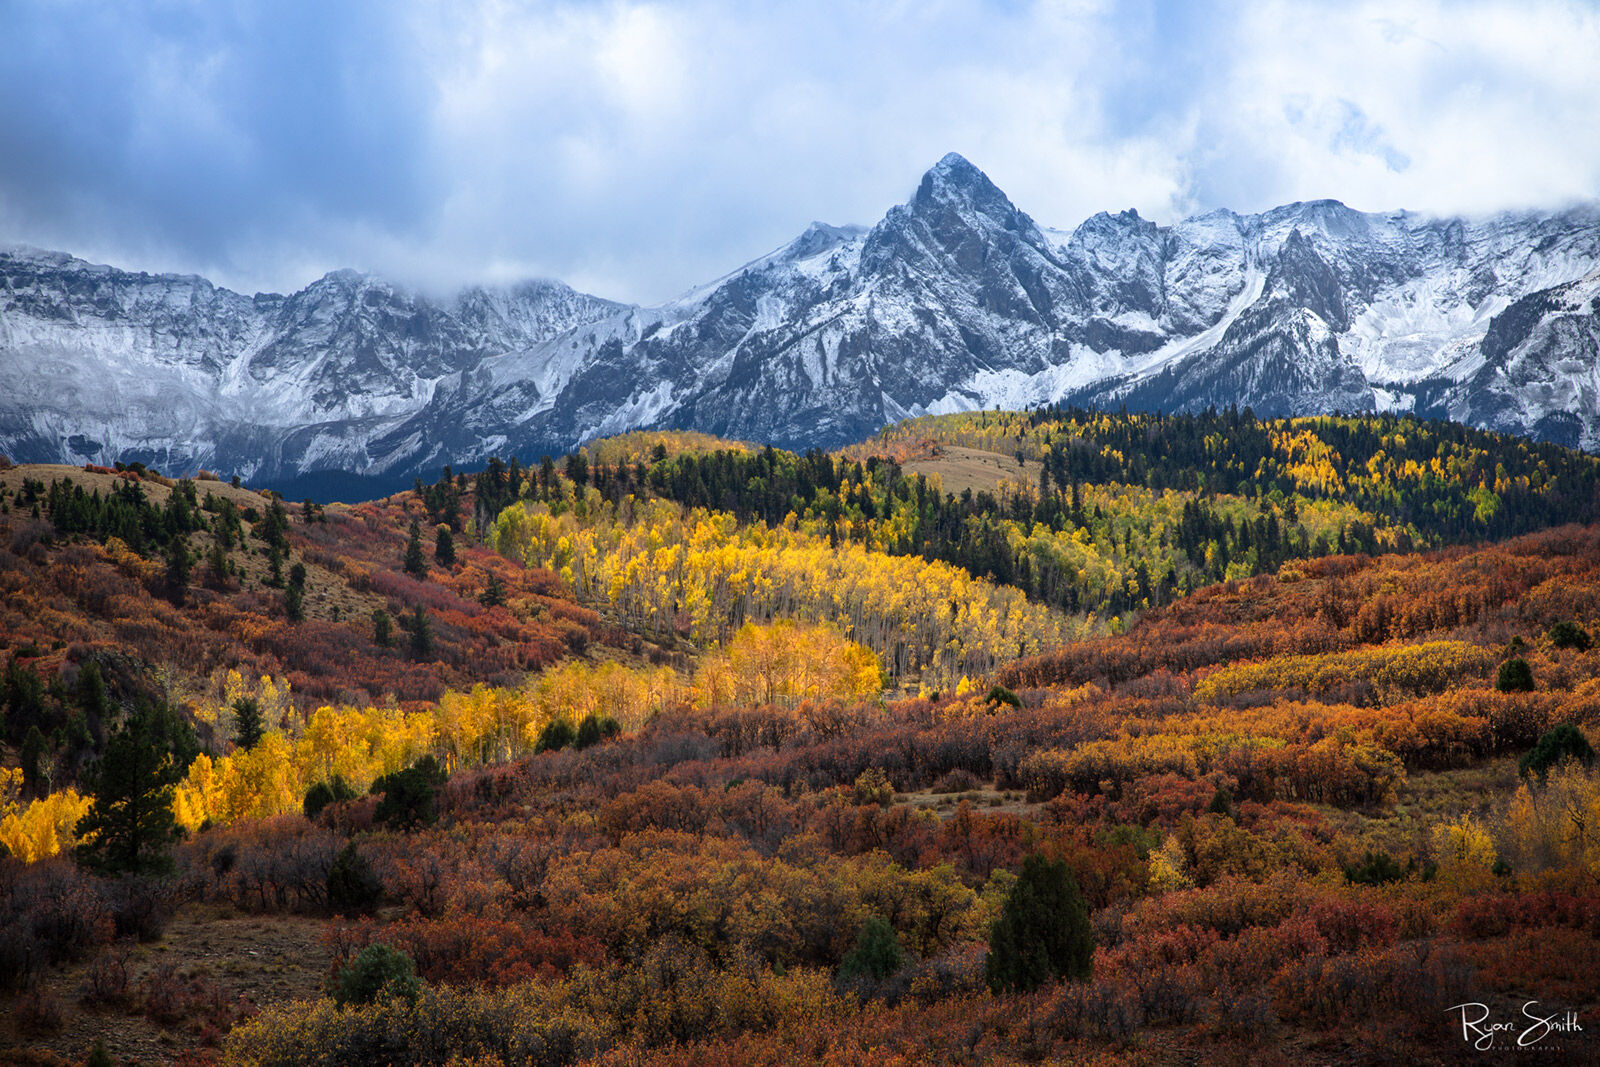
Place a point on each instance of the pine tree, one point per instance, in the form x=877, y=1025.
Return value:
x=217, y=566
x=294, y=597
x=247, y=726
x=494, y=594
x=130, y=823
x=178, y=566
x=421, y=632
x=877, y=954
x=444, y=548
x=1515, y=676
x=408, y=797
x=1043, y=931
x=32, y=757
x=382, y=628
x=90, y=692
x=416, y=565
x=1555, y=745
x=353, y=887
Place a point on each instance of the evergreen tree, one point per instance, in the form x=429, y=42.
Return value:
x=408, y=796
x=1515, y=676
x=90, y=692
x=578, y=469
x=217, y=566
x=1043, y=931
x=377, y=971
x=1570, y=635
x=421, y=632
x=416, y=565
x=353, y=887
x=178, y=567
x=32, y=756
x=494, y=594
x=319, y=796
x=877, y=954
x=444, y=548
x=1555, y=745
x=22, y=695
x=226, y=527
x=382, y=628
x=294, y=596
x=557, y=734
x=130, y=823
x=595, y=729
x=247, y=725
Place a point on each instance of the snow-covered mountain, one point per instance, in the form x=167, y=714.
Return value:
x=955, y=300
x=101, y=363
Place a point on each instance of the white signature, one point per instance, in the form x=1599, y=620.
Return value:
x=1480, y=1032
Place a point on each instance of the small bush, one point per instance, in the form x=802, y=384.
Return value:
x=877, y=954
x=557, y=735
x=409, y=796
x=106, y=981
x=319, y=796
x=163, y=995
x=40, y=1014
x=377, y=971
x=1570, y=635
x=595, y=729
x=1001, y=695
x=1561, y=743
x=872, y=786
x=959, y=780
x=140, y=907
x=99, y=1055
x=1375, y=868
x=1515, y=676
x=353, y=888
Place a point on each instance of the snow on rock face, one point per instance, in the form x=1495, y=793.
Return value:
x=954, y=300
x=1540, y=371
x=103, y=364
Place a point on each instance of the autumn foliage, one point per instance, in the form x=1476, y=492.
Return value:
x=699, y=792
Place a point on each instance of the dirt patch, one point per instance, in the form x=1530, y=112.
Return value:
x=982, y=798
x=210, y=962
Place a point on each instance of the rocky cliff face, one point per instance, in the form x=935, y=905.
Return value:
x=101, y=364
x=954, y=300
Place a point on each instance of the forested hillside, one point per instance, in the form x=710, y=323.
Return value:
x=675, y=751
x=1123, y=512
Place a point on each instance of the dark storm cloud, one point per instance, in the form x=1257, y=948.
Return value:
x=200, y=129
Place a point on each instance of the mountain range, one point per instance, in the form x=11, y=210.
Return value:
x=955, y=300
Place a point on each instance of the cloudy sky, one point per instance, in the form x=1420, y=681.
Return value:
x=637, y=149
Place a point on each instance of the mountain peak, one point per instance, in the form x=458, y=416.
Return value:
x=955, y=183
x=953, y=172
x=953, y=161
x=818, y=238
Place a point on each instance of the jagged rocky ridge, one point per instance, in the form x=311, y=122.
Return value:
x=956, y=299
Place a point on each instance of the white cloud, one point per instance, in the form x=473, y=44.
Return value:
x=637, y=149
x=644, y=148
x=1442, y=107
